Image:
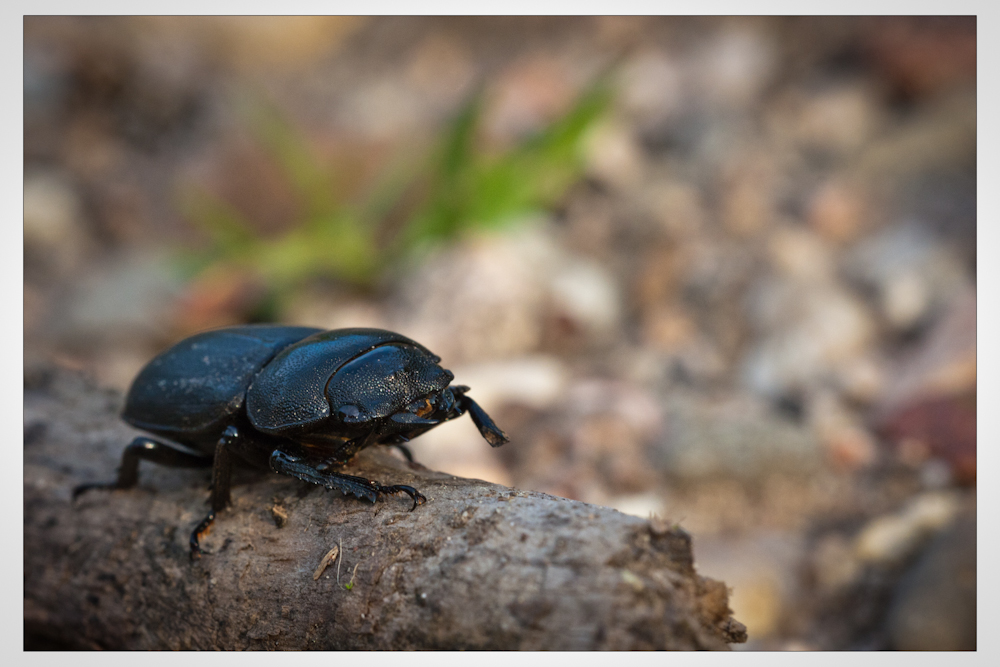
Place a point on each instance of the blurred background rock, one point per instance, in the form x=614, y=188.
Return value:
x=721, y=270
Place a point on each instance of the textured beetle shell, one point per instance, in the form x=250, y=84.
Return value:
x=386, y=378
x=290, y=392
x=200, y=382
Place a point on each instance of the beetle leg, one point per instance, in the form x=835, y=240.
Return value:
x=221, y=476
x=410, y=419
x=360, y=487
x=223, y=468
x=143, y=448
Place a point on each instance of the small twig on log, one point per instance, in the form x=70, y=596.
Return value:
x=327, y=559
x=480, y=566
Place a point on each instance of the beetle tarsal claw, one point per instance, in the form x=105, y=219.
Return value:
x=418, y=498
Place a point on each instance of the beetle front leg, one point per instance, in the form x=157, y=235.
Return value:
x=221, y=483
x=146, y=449
x=360, y=487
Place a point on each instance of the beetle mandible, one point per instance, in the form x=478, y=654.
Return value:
x=295, y=400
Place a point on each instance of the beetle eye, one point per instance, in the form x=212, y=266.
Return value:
x=349, y=413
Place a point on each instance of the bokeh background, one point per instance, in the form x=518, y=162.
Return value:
x=720, y=270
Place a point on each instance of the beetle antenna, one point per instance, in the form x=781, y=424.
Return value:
x=489, y=430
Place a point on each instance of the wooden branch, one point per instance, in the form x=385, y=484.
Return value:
x=479, y=566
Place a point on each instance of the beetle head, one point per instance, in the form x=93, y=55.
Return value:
x=384, y=381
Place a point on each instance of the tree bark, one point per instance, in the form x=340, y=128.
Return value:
x=479, y=566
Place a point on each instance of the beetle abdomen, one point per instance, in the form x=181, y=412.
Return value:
x=201, y=381
x=290, y=392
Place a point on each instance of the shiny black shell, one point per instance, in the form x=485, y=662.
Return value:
x=200, y=383
x=370, y=373
x=289, y=379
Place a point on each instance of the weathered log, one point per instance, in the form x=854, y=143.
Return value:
x=479, y=566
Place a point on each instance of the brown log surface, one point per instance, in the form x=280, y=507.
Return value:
x=479, y=566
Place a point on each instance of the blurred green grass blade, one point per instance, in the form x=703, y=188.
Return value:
x=473, y=190
x=457, y=187
x=453, y=168
x=459, y=143
x=225, y=226
x=289, y=148
x=562, y=138
x=343, y=250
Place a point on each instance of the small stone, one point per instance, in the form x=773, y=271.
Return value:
x=835, y=564
x=839, y=119
x=668, y=328
x=848, y=443
x=736, y=437
x=479, y=299
x=810, y=330
x=256, y=43
x=51, y=209
x=837, y=211
x=677, y=206
x=613, y=156
x=651, y=86
x=535, y=381
x=586, y=294
x=914, y=274
x=905, y=298
x=944, y=364
x=505, y=295
x=748, y=205
x=801, y=254
x=891, y=538
x=733, y=67
x=442, y=68
x=862, y=379
x=52, y=222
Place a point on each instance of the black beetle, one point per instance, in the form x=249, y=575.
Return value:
x=295, y=400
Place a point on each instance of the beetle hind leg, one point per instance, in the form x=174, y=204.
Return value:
x=146, y=449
